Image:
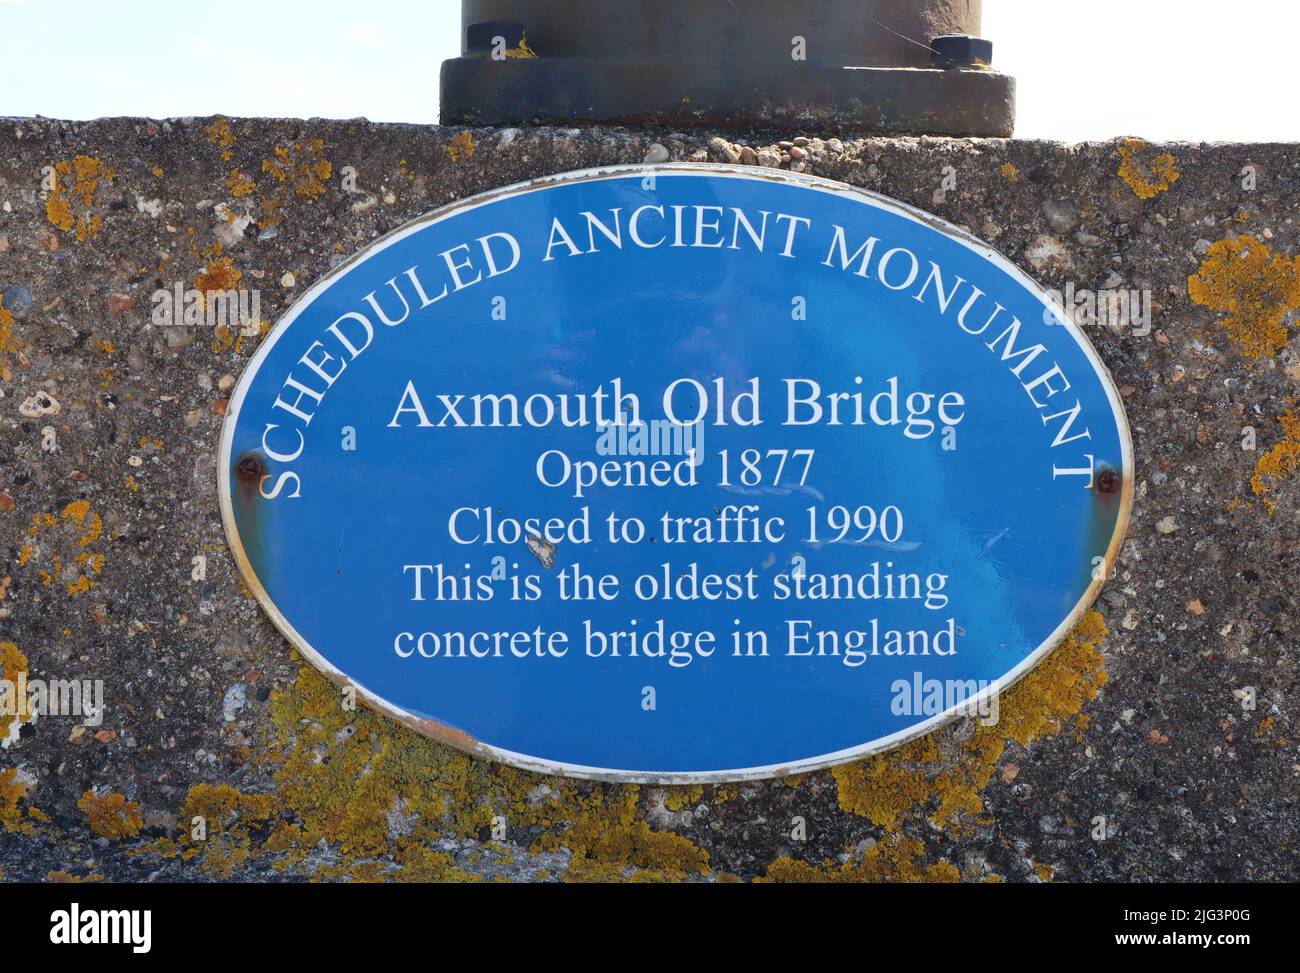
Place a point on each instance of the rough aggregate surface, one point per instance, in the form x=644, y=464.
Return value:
x=1174, y=724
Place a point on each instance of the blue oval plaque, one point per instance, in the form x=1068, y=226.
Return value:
x=678, y=473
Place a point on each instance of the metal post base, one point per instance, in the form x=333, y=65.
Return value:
x=477, y=90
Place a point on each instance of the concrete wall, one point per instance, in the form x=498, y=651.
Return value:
x=1171, y=713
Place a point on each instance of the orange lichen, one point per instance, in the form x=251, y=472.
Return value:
x=58, y=211
x=240, y=185
x=386, y=802
x=678, y=798
x=894, y=860
x=85, y=174
x=380, y=796
x=301, y=166
x=925, y=773
x=78, y=512
x=461, y=147
x=610, y=842
x=1146, y=182
x=1256, y=286
x=7, y=342
x=219, y=275
x=1279, y=462
x=81, y=526
x=222, y=817
x=522, y=52
x=16, y=813
x=300, y=169
x=220, y=135
x=12, y=664
x=111, y=815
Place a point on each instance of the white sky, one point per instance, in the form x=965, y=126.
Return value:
x=1092, y=69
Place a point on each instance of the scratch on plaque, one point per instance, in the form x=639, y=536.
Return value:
x=541, y=549
x=996, y=537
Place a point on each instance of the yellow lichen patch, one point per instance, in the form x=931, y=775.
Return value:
x=219, y=275
x=1256, y=286
x=80, y=527
x=78, y=512
x=682, y=797
x=886, y=787
x=523, y=51
x=12, y=663
x=1280, y=461
x=461, y=147
x=239, y=185
x=16, y=814
x=111, y=815
x=8, y=343
x=58, y=211
x=381, y=796
x=1057, y=690
x=263, y=330
x=67, y=878
x=948, y=777
x=216, y=821
x=226, y=338
x=85, y=173
x=210, y=252
x=1146, y=182
x=299, y=169
x=610, y=843
x=301, y=166
x=893, y=860
x=1011, y=172
x=220, y=135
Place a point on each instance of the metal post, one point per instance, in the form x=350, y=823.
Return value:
x=885, y=66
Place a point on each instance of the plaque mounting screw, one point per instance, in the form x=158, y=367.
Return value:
x=249, y=469
x=1107, y=482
